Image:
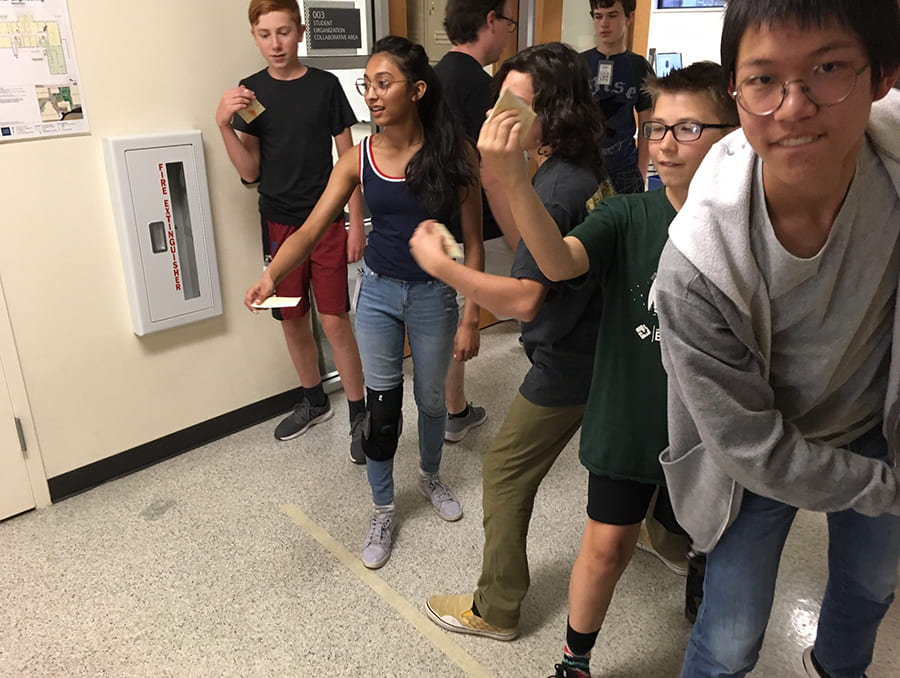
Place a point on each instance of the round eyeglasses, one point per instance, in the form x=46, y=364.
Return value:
x=682, y=131
x=827, y=85
x=379, y=86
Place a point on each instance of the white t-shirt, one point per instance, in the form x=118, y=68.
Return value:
x=832, y=314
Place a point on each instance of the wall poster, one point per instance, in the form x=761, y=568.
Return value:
x=40, y=93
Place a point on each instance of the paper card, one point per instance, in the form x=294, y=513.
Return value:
x=605, y=73
x=250, y=113
x=278, y=302
x=508, y=101
x=451, y=247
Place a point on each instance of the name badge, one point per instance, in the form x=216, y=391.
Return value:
x=605, y=73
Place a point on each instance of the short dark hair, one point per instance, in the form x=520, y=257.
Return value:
x=628, y=5
x=572, y=122
x=703, y=77
x=876, y=22
x=464, y=18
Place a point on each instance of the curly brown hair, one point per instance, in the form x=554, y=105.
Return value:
x=573, y=126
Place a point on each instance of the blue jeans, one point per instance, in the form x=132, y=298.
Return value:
x=739, y=587
x=428, y=312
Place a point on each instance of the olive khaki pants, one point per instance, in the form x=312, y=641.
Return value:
x=527, y=445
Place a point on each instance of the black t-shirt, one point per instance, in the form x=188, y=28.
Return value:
x=295, y=132
x=467, y=89
x=562, y=339
x=619, y=92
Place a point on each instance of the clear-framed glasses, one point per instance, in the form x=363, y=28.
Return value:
x=682, y=131
x=380, y=86
x=511, y=23
x=828, y=84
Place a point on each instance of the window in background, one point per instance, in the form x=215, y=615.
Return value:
x=688, y=4
x=666, y=62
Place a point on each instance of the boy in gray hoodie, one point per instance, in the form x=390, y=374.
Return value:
x=777, y=299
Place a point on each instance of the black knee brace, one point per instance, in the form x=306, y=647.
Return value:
x=384, y=420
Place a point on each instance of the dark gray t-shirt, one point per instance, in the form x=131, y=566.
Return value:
x=561, y=340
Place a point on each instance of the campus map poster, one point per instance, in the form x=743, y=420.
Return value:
x=40, y=92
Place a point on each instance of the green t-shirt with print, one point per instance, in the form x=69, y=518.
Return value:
x=624, y=427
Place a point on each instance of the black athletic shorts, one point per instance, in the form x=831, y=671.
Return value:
x=616, y=501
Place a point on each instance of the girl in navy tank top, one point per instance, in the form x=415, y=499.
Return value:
x=418, y=167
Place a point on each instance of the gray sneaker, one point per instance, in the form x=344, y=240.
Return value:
x=442, y=499
x=457, y=427
x=303, y=416
x=376, y=548
x=357, y=456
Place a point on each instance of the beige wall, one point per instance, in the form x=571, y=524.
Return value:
x=577, y=27
x=95, y=389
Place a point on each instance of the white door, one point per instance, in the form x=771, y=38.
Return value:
x=15, y=484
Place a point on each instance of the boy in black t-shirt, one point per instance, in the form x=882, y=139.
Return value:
x=559, y=332
x=616, y=77
x=277, y=127
x=480, y=31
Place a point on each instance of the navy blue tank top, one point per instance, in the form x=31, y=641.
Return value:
x=395, y=215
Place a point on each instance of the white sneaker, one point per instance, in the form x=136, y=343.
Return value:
x=376, y=549
x=443, y=501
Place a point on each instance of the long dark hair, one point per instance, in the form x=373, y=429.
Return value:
x=572, y=122
x=437, y=172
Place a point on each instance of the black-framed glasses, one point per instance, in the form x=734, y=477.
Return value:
x=682, y=131
x=827, y=85
x=380, y=86
x=510, y=22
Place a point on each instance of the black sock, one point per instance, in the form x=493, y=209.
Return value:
x=580, y=643
x=475, y=609
x=357, y=407
x=464, y=413
x=315, y=395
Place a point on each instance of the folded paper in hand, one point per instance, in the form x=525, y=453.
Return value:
x=451, y=247
x=507, y=101
x=278, y=302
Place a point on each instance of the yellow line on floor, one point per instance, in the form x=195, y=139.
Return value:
x=440, y=639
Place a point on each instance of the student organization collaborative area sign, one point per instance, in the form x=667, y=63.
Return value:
x=335, y=28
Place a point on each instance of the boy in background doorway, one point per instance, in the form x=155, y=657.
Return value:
x=479, y=31
x=277, y=127
x=616, y=77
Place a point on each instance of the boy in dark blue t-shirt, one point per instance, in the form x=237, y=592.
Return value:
x=616, y=77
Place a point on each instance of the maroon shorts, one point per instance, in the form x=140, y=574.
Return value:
x=325, y=271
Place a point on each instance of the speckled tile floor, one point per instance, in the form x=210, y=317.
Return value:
x=239, y=559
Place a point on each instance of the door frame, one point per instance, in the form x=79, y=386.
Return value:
x=18, y=396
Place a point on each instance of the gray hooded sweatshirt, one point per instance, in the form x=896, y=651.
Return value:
x=725, y=433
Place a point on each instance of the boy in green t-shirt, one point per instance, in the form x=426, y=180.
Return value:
x=624, y=427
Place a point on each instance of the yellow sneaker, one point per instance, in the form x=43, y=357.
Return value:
x=454, y=613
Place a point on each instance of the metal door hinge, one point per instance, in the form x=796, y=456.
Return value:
x=21, y=435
